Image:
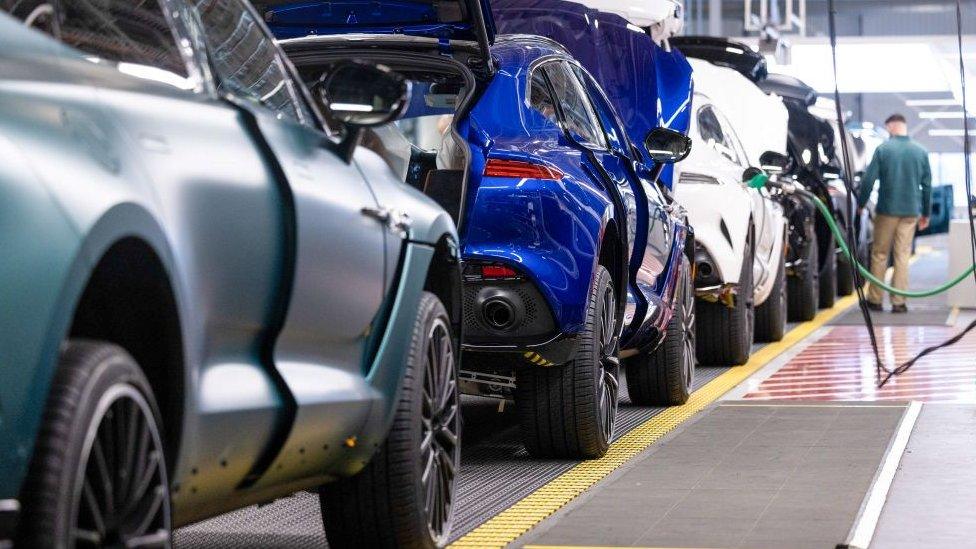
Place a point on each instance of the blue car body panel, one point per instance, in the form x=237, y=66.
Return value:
x=551, y=230
x=622, y=59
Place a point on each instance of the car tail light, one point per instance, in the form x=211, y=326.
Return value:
x=521, y=170
x=479, y=272
x=497, y=271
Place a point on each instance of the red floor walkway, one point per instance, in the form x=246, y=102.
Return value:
x=840, y=366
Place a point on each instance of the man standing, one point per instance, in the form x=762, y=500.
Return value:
x=905, y=193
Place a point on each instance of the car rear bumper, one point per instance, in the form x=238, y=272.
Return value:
x=554, y=351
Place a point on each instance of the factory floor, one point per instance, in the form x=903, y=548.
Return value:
x=798, y=448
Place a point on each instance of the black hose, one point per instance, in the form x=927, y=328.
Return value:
x=881, y=371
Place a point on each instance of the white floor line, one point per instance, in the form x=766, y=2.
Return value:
x=867, y=520
x=752, y=382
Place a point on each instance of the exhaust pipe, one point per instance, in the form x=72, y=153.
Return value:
x=705, y=269
x=501, y=310
x=498, y=313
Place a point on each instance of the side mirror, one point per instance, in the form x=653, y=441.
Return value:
x=667, y=146
x=362, y=95
x=774, y=162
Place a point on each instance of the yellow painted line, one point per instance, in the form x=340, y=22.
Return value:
x=512, y=523
x=953, y=317
x=597, y=547
x=773, y=404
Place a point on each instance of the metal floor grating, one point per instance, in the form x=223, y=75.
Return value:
x=495, y=473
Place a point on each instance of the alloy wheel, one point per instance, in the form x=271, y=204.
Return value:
x=121, y=497
x=440, y=446
x=609, y=386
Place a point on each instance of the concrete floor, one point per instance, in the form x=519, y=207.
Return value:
x=932, y=502
x=693, y=489
x=754, y=474
x=784, y=476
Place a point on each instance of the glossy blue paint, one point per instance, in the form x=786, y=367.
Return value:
x=621, y=58
x=447, y=20
x=551, y=230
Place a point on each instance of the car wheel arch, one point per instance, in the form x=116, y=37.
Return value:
x=612, y=255
x=128, y=235
x=444, y=279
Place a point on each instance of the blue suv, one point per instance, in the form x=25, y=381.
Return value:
x=573, y=257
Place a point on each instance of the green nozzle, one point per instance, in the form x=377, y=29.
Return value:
x=758, y=181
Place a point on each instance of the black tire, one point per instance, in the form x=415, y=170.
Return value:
x=771, y=315
x=388, y=504
x=85, y=466
x=803, y=288
x=725, y=334
x=828, y=277
x=665, y=377
x=845, y=276
x=568, y=411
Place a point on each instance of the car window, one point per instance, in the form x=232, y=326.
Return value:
x=134, y=35
x=540, y=96
x=612, y=129
x=712, y=133
x=38, y=14
x=578, y=115
x=246, y=59
x=732, y=142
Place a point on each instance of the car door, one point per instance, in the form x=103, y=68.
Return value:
x=584, y=133
x=332, y=288
x=762, y=206
x=649, y=225
x=187, y=157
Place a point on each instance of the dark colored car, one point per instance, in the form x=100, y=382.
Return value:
x=572, y=255
x=817, y=165
x=209, y=299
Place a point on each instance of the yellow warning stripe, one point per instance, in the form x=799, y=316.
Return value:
x=510, y=524
x=595, y=547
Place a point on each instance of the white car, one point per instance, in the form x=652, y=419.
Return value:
x=739, y=231
x=663, y=19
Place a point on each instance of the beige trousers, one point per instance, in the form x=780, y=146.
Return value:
x=897, y=232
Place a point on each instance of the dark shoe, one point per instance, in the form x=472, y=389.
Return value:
x=876, y=307
x=899, y=308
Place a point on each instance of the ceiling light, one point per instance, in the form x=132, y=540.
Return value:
x=941, y=115
x=932, y=103
x=950, y=133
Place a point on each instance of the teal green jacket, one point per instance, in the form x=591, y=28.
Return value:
x=902, y=167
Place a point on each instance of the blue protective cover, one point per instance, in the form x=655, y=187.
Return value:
x=443, y=20
x=648, y=86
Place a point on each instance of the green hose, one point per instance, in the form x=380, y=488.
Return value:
x=761, y=180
